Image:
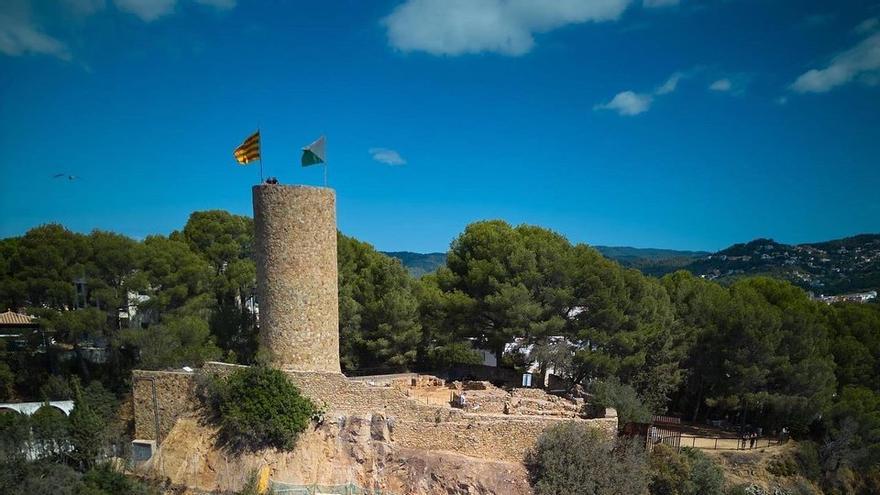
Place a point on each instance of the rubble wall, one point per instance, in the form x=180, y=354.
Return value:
x=412, y=424
x=295, y=237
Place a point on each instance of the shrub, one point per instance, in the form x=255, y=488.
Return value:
x=669, y=471
x=55, y=388
x=14, y=435
x=802, y=460
x=706, y=477
x=623, y=398
x=572, y=458
x=257, y=407
x=104, y=480
x=688, y=473
x=51, y=432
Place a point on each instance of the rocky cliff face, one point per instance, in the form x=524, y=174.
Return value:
x=342, y=450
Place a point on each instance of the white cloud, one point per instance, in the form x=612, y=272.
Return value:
x=659, y=3
x=456, y=27
x=670, y=85
x=868, y=25
x=20, y=36
x=218, y=4
x=627, y=103
x=387, y=156
x=860, y=61
x=721, y=85
x=630, y=103
x=147, y=10
x=85, y=7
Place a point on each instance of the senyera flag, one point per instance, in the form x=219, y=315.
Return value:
x=315, y=153
x=249, y=151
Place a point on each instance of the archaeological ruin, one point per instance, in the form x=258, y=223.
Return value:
x=403, y=433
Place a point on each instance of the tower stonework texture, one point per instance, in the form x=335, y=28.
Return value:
x=297, y=276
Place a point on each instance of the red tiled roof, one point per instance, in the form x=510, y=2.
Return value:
x=10, y=318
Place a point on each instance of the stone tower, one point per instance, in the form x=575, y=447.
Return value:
x=296, y=276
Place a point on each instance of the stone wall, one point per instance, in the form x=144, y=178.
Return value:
x=502, y=438
x=295, y=237
x=174, y=396
x=412, y=424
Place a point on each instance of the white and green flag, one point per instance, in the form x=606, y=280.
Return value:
x=315, y=153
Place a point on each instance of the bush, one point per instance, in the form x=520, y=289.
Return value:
x=688, y=473
x=55, y=388
x=573, y=458
x=51, y=432
x=706, y=477
x=44, y=477
x=38, y=477
x=623, y=398
x=257, y=407
x=14, y=435
x=104, y=480
x=802, y=460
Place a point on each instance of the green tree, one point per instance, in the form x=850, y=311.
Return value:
x=86, y=429
x=175, y=274
x=176, y=342
x=512, y=283
x=855, y=343
x=225, y=242
x=51, y=432
x=14, y=435
x=625, y=328
x=7, y=382
x=773, y=353
x=378, y=310
x=700, y=306
x=611, y=393
x=445, y=330
x=43, y=265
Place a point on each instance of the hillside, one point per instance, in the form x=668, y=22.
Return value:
x=649, y=260
x=419, y=264
x=839, y=266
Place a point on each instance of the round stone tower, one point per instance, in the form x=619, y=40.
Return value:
x=296, y=276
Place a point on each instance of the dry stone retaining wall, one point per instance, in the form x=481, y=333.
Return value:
x=412, y=424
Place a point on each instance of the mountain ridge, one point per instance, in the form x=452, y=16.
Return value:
x=834, y=266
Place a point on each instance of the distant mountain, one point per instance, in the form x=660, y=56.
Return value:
x=419, y=264
x=831, y=267
x=651, y=261
x=647, y=259
x=840, y=266
x=635, y=254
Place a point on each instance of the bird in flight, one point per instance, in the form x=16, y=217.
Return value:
x=69, y=177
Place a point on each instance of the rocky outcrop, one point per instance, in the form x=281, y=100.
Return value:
x=355, y=449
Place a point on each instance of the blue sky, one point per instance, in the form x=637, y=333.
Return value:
x=654, y=123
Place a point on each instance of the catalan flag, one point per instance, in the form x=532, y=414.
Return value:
x=249, y=151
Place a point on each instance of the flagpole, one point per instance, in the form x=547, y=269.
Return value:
x=261, y=154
